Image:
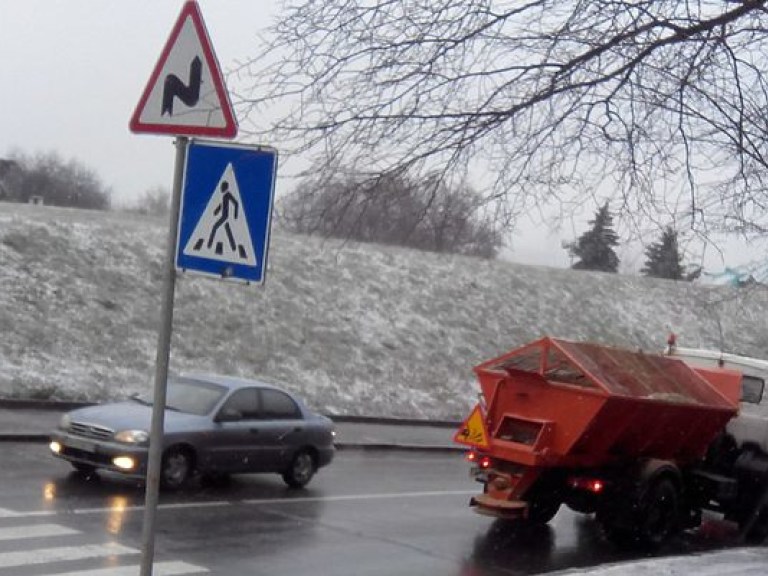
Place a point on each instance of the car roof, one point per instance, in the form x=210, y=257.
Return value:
x=230, y=382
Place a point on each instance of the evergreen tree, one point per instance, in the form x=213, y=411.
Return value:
x=594, y=248
x=663, y=257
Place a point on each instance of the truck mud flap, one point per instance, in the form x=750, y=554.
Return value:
x=508, y=509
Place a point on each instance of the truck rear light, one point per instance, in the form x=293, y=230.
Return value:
x=594, y=485
x=483, y=462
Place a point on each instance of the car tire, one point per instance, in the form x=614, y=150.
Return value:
x=176, y=468
x=301, y=470
x=84, y=469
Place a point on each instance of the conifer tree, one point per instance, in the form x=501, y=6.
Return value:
x=594, y=248
x=663, y=257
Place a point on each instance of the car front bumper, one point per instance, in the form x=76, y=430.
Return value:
x=100, y=453
x=325, y=455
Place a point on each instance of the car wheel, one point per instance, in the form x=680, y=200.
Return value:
x=300, y=471
x=84, y=469
x=176, y=468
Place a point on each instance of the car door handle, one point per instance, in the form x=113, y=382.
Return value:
x=284, y=434
x=253, y=430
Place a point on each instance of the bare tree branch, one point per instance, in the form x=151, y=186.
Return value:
x=534, y=102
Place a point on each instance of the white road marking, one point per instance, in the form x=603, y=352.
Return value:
x=4, y=513
x=158, y=569
x=351, y=497
x=39, y=531
x=62, y=554
x=256, y=501
x=139, y=508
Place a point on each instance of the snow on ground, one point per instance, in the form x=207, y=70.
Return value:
x=355, y=329
x=738, y=562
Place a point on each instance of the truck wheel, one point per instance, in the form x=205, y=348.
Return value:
x=647, y=522
x=758, y=533
x=542, y=510
x=660, y=513
x=722, y=453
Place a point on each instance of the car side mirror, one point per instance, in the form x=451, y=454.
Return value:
x=229, y=415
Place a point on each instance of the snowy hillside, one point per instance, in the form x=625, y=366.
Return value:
x=355, y=329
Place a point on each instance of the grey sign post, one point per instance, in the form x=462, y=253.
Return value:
x=152, y=490
x=171, y=104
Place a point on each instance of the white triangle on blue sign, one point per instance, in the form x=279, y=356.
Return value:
x=222, y=232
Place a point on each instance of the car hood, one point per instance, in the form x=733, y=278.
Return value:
x=130, y=416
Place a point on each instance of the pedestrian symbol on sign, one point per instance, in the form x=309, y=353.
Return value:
x=222, y=232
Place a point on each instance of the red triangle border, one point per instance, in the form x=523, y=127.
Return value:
x=229, y=130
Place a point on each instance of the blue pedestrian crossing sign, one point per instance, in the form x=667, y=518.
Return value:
x=226, y=209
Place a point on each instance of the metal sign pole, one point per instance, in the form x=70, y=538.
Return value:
x=161, y=369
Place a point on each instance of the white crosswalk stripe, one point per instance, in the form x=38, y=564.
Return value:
x=158, y=569
x=35, y=531
x=62, y=554
x=96, y=558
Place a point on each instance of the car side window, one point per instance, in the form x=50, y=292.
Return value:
x=245, y=401
x=276, y=405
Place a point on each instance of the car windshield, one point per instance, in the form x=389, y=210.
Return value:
x=189, y=396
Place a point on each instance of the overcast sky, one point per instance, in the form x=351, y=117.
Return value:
x=73, y=71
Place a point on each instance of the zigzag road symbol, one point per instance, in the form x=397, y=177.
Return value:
x=174, y=87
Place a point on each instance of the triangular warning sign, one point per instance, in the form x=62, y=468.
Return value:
x=185, y=94
x=472, y=431
x=222, y=232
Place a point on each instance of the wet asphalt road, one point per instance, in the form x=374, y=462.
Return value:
x=370, y=513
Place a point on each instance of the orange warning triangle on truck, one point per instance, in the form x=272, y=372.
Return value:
x=472, y=431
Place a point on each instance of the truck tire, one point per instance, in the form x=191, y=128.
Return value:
x=660, y=513
x=544, y=499
x=722, y=453
x=758, y=532
x=542, y=510
x=646, y=522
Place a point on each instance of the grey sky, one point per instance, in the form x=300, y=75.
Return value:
x=73, y=71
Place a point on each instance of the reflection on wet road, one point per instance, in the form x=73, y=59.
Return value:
x=369, y=514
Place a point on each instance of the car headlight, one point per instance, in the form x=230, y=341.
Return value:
x=132, y=436
x=65, y=422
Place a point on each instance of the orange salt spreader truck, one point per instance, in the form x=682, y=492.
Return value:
x=638, y=439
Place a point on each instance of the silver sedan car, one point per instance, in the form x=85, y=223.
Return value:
x=214, y=425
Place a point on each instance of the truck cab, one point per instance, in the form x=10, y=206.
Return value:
x=750, y=427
